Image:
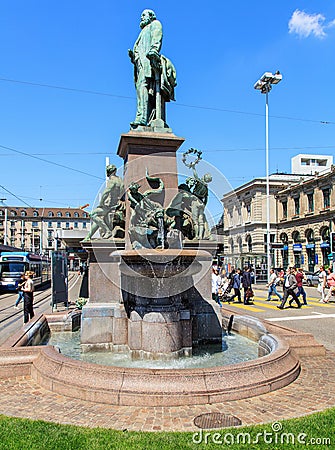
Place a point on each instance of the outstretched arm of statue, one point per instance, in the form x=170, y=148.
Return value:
x=153, y=179
x=195, y=174
x=131, y=55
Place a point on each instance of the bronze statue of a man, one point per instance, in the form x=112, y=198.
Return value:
x=110, y=211
x=155, y=75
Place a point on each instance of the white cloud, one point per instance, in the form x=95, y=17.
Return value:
x=304, y=24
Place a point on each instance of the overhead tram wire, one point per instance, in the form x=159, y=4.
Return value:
x=16, y=196
x=106, y=94
x=226, y=150
x=51, y=162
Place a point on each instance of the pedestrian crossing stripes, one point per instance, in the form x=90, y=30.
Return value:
x=260, y=304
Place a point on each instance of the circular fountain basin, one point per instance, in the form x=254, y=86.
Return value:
x=170, y=387
x=234, y=349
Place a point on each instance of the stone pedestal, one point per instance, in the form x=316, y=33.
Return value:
x=153, y=152
x=104, y=278
x=104, y=327
x=152, y=303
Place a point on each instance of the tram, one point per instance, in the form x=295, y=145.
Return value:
x=14, y=264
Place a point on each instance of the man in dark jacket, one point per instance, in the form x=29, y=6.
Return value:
x=246, y=283
x=290, y=288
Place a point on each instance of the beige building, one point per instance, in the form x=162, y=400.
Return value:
x=41, y=230
x=244, y=233
x=302, y=216
x=306, y=217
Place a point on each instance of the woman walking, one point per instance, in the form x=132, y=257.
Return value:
x=28, y=297
x=322, y=284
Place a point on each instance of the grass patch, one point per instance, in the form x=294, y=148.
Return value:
x=25, y=434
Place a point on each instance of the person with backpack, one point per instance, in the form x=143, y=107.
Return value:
x=272, y=285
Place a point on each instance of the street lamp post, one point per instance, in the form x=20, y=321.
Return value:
x=264, y=85
x=6, y=219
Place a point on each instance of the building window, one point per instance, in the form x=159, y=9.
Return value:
x=13, y=213
x=34, y=224
x=50, y=224
x=23, y=213
x=326, y=198
x=50, y=234
x=84, y=214
x=59, y=214
x=67, y=214
x=284, y=205
x=67, y=225
x=84, y=225
x=249, y=243
x=310, y=200
x=50, y=214
x=12, y=223
x=297, y=206
x=59, y=224
x=248, y=207
x=76, y=214
x=50, y=243
x=35, y=213
x=75, y=224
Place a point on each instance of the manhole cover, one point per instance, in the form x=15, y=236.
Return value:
x=216, y=420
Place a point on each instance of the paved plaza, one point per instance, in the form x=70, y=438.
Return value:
x=313, y=390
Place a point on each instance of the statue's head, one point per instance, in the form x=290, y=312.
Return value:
x=111, y=170
x=134, y=187
x=147, y=17
x=159, y=213
x=207, y=178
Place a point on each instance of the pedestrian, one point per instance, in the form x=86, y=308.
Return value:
x=19, y=285
x=330, y=284
x=246, y=283
x=290, y=288
x=236, y=285
x=28, y=298
x=300, y=276
x=322, y=284
x=272, y=285
x=216, y=280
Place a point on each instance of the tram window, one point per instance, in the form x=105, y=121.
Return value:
x=11, y=268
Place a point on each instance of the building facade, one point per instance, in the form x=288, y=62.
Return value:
x=306, y=217
x=302, y=216
x=40, y=230
x=244, y=223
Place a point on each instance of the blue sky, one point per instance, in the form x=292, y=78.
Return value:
x=219, y=52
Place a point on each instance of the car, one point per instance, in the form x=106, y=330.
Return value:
x=312, y=279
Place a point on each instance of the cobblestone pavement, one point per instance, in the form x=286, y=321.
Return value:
x=314, y=390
